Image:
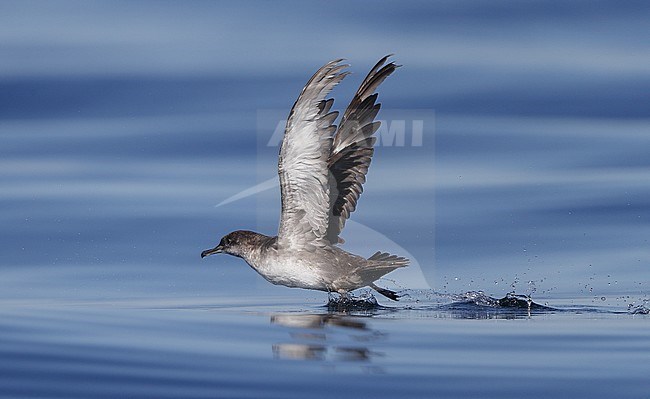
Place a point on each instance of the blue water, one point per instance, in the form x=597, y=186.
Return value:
x=126, y=128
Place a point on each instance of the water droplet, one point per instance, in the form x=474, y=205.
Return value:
x=602, y=298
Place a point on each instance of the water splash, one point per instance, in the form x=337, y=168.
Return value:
x=641, y=308
x=511, y=300
x=350, y=303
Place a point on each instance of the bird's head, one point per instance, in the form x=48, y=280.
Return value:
x=238, y=243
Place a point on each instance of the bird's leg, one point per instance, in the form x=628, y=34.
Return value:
x=386, y=292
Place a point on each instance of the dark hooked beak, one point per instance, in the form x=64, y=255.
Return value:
x=216, y=250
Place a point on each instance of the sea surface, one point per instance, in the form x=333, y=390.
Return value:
x=512, y=168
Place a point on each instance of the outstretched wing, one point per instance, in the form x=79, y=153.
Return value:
x=303, y=165
x=352, y=149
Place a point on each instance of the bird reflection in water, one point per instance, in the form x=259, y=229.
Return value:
x=311, y=334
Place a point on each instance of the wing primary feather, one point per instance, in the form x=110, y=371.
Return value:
x=352, y=149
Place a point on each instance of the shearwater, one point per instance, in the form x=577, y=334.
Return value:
x=322, y=170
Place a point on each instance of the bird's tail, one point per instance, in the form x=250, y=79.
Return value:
x=390, y=260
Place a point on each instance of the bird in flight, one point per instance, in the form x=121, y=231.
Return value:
x=322, y=170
